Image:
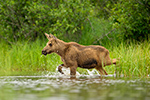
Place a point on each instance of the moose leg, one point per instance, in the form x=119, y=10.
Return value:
x=101, y=70
x=105, y=71
x=60, y=68
x=73, y=72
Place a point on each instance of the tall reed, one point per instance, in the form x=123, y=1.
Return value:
x=134, y=59
x=25, y=58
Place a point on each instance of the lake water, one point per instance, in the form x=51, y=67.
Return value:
x=86, y=87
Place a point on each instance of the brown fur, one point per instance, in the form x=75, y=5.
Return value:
x=75, y=55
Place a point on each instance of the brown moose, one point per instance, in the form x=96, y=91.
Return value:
x=74, y=55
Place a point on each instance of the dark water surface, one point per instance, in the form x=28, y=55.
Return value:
x=83, y=88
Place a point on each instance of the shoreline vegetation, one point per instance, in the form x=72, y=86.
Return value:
x=121, y=26
x=25, y=58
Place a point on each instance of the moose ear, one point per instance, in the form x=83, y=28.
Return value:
x=53, y=36
x=47, y=35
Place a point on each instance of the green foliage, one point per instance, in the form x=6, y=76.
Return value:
x=102, y=7
x=71, y=19
x=29, y=18
x=97, y=32
x=131, y=18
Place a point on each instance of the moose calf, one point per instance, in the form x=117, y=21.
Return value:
x=74, y=55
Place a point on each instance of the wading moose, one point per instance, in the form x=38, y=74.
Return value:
x=74, y=55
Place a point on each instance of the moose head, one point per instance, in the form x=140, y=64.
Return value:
x=51, y=45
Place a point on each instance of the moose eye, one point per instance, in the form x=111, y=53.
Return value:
x=50, y=44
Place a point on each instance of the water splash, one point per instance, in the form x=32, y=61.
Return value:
x=93, y=72
x=90, y=74
x=67, y=71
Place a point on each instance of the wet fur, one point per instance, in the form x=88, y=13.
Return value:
x=75, y=55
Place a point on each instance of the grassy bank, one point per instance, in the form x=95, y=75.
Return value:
x=134, y=59
x=25, y=58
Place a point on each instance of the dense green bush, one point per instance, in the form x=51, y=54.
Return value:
x=132, y=18
x=102, y=7
x=71, y=19
x=31, y=18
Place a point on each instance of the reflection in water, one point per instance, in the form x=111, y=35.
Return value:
x=86, y=87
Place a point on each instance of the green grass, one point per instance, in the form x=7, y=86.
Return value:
x=25, y=58
x=134, y=59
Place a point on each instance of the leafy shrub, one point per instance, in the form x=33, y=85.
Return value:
x=31, y=18
x=71, y=19
x=131, y=18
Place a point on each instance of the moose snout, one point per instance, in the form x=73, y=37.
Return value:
x=44, y=52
